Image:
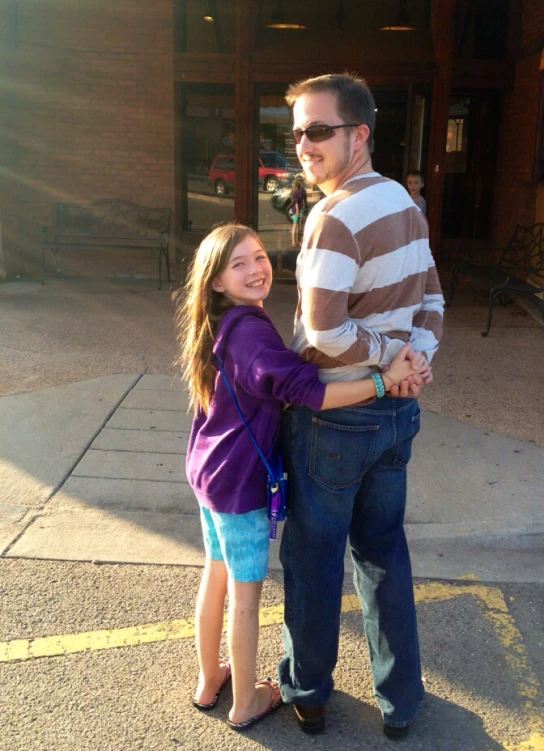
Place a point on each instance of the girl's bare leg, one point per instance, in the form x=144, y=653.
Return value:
x=243, y=636
x=210, y=606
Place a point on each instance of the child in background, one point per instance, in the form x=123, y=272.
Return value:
x=298, y=208
x=414, y=183
x=221, y=315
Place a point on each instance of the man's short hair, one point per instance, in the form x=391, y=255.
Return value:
x=355, y=103
x=415, y=173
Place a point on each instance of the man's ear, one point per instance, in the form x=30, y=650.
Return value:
x=362, y=133
x=217, y=286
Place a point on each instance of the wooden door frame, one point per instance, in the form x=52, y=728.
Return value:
x=442, y=23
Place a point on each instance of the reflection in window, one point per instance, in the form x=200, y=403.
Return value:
x=276, y=168
x=389, y=144
x=205, y=26
x=273, y=159
x=481, y=28
x=207, y=159
x=454, y=140
x=415, y=155
x=457, y=136
x=277, y=17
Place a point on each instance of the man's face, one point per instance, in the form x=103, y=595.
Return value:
x=414, y=183
x=324, y=163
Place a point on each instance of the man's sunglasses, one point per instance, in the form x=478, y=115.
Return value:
x=318, y=133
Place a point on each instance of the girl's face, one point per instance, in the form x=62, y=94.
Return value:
x=247, y=278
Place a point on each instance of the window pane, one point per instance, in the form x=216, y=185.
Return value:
x=278, y=165
x=469, y=178
x=481, y=28
x=208, y=158
x=206, y=26
x=415, y=156
x=389, y=141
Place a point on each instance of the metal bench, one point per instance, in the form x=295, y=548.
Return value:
x=521, y=260
x=109, y=223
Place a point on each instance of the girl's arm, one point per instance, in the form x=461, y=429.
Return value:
x=344, y=393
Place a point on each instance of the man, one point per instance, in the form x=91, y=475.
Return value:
x=367, y=283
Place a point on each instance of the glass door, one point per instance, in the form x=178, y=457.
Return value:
x=416, y=130
x=277, y=166
x=206, y=172
x=390, y=136
x=400, y=145
x=471, y=151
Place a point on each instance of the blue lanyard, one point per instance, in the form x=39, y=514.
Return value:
x=235, y=400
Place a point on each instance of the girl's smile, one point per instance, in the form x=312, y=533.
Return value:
x=248, y=276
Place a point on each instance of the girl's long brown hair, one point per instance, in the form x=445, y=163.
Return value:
x=199, y=309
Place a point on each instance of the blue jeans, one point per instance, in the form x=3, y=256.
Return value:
x=347, y=478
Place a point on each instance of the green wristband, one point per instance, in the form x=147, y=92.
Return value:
x=380, y=386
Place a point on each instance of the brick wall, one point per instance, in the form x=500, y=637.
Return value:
x=88, y=114
x=532, y=21
x=516, y=193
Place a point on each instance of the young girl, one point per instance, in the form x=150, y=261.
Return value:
x=298, y=209
x=221, y=314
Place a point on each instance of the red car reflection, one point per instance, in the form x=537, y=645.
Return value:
x=274, y=172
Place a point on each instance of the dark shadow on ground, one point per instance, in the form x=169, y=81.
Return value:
x=353, y=724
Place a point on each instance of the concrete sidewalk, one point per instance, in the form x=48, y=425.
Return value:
x=94, y=471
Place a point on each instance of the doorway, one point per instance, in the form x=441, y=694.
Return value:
x=400, y=145
x=206, y=138
x=471, y=152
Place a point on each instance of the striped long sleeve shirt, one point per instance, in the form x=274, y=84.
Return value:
x=367, y=281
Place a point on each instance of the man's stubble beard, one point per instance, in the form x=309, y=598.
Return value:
x=334, y=171
x=338, y=169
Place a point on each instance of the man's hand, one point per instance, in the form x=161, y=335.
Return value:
x=409, y=387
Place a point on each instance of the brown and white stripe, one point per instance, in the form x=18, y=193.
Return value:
x=367, y=280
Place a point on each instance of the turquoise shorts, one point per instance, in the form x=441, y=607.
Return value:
x=240, y=540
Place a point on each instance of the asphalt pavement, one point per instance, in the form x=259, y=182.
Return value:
x=101, y=554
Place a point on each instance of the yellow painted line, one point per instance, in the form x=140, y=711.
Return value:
x=494, y=609
x=91, y=641
x=534, y=743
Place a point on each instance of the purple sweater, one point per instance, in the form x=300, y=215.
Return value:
x=223, y=466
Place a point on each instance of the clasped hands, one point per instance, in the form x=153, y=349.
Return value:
x=411, y=386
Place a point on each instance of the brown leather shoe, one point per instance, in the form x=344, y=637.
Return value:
x=310, y=719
